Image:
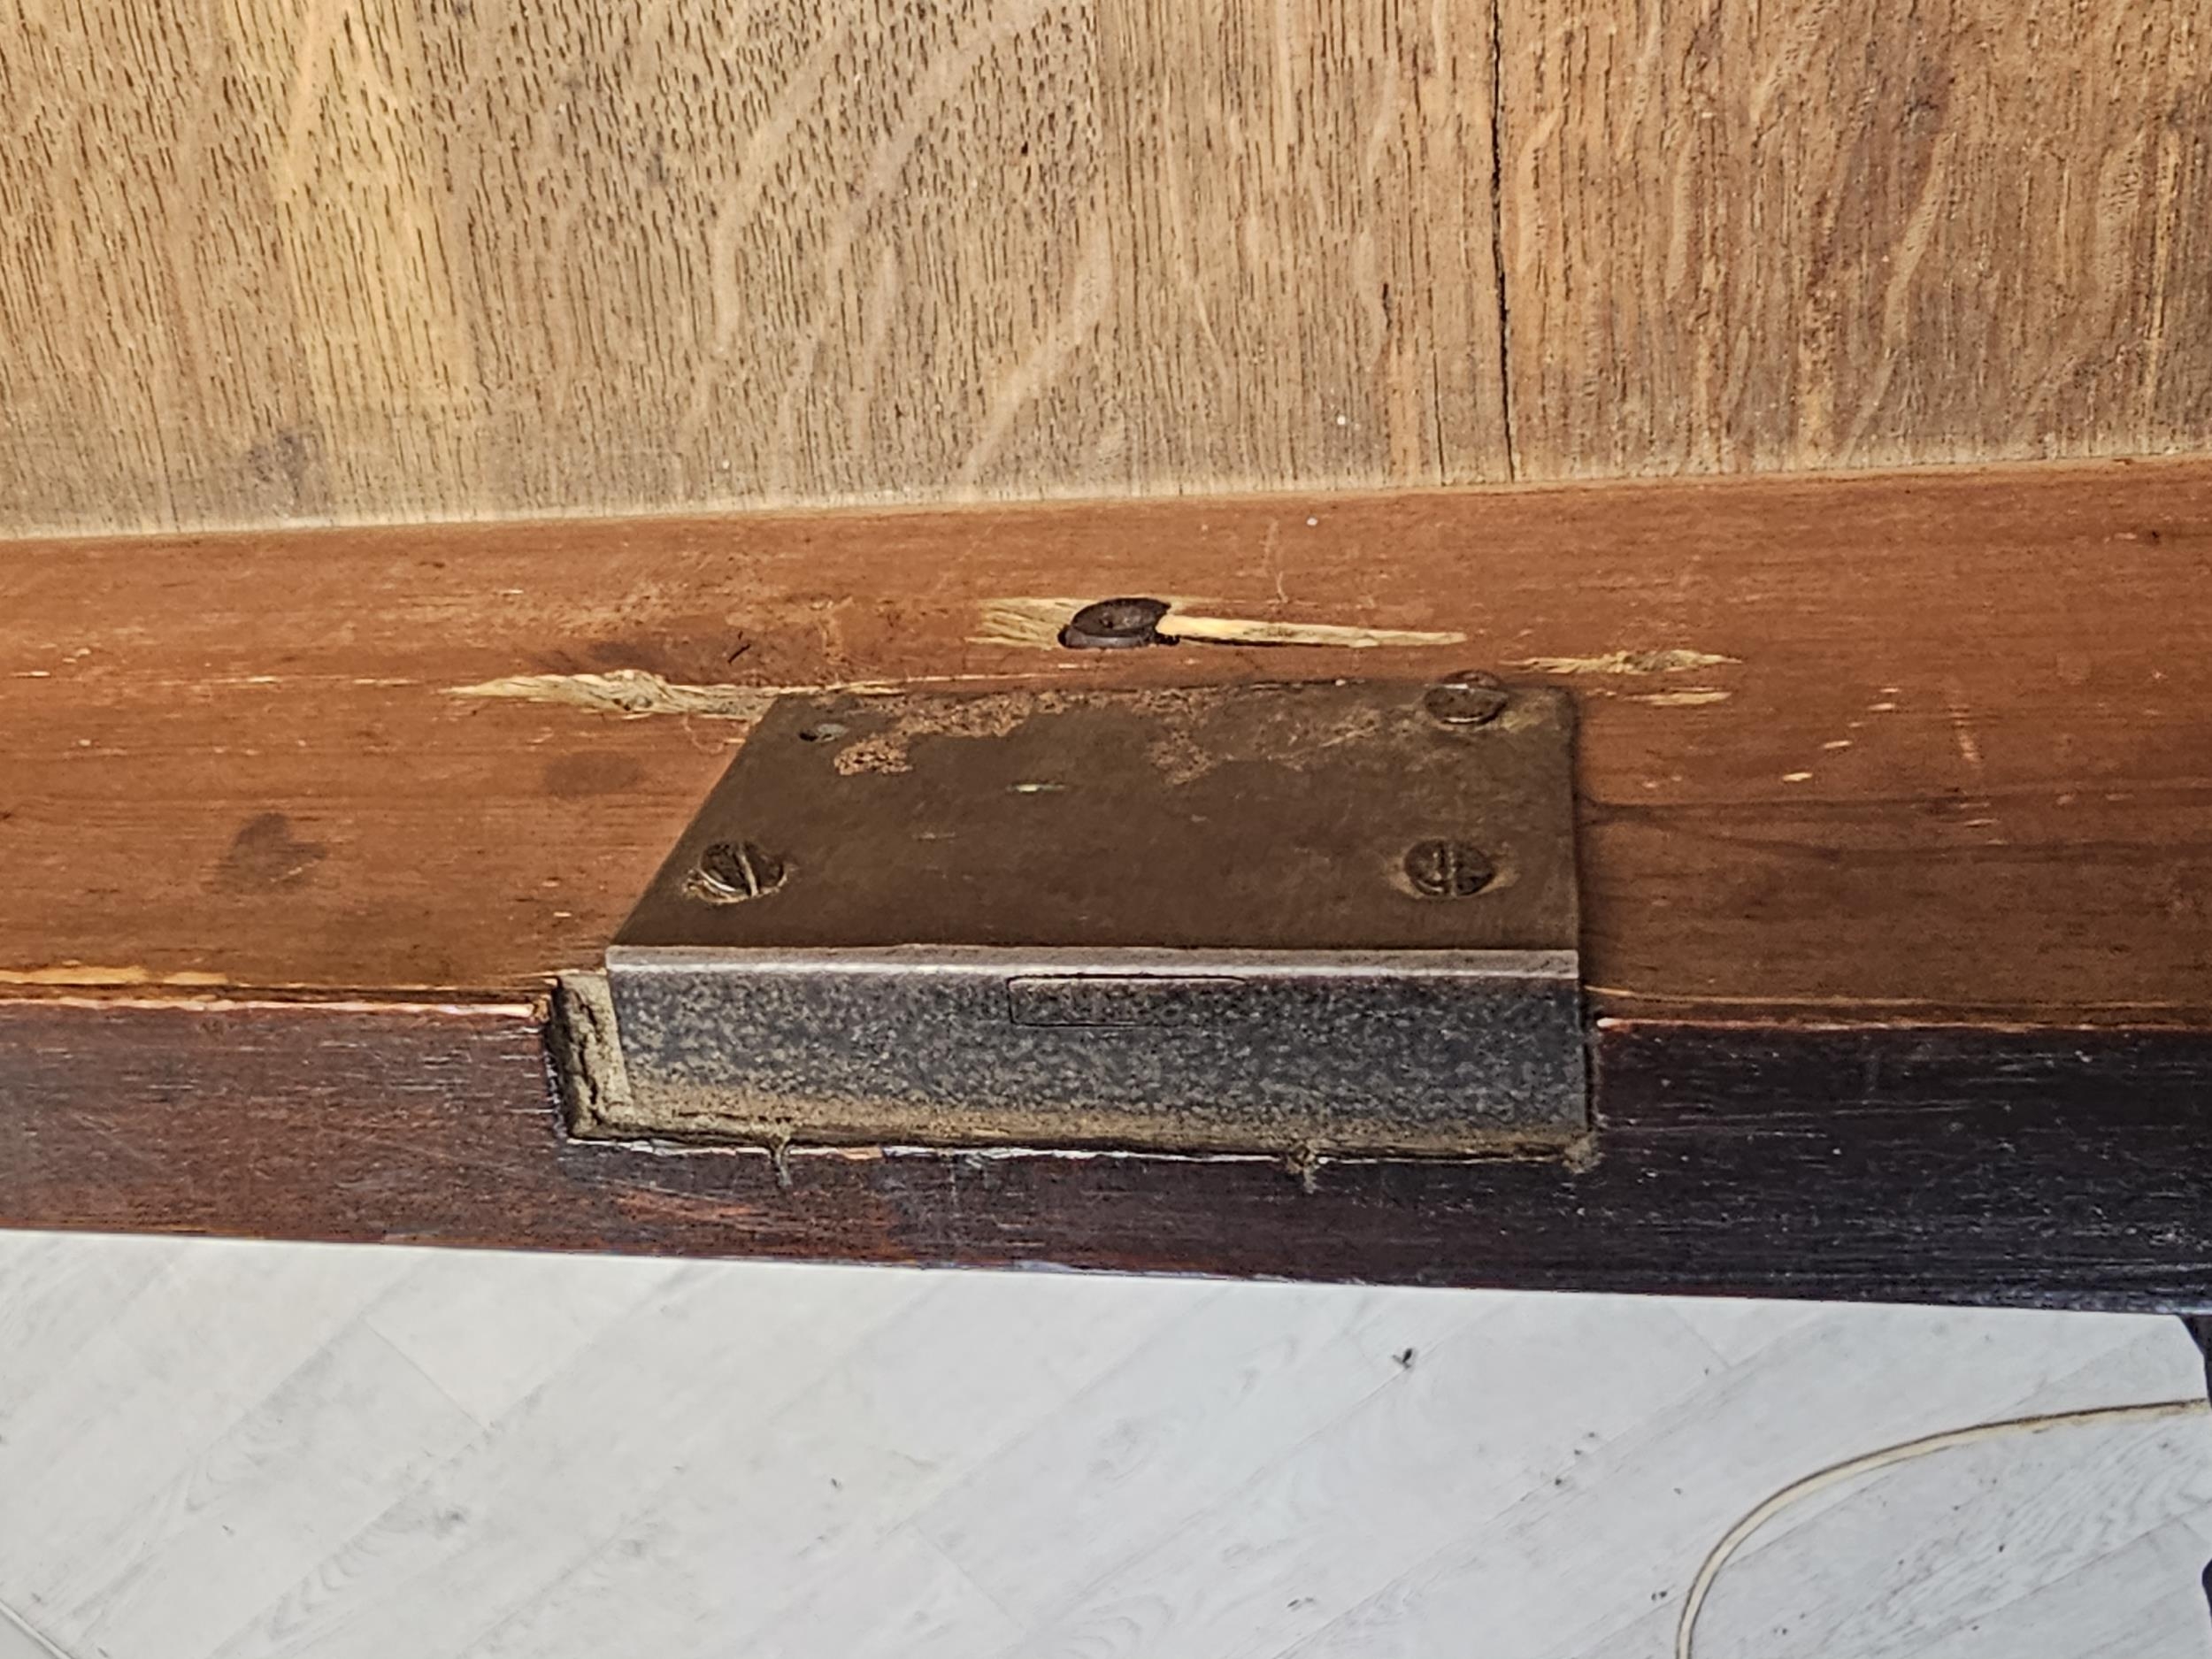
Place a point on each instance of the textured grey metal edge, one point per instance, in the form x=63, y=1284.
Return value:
x=1486, y=964
x=695, y=1084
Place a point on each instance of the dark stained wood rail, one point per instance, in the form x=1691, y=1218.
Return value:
x=1951, y=1165
x=1897, y=803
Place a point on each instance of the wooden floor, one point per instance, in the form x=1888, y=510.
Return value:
x=245, y=1449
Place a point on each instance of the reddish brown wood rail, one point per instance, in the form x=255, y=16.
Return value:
x=1898, y=838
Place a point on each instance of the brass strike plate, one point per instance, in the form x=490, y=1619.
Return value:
x=1330, y=918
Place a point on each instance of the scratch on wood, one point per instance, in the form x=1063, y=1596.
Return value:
x=1246, y=631
x=1673, y=660
x=85, y=975
x=1962, y=730
x=1688, y=698
x=1034, y=623
x=633, y=692
x=316, y=1003
x=1031, y=623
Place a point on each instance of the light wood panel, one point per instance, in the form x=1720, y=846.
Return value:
x=263, y=261
x=1826, y=233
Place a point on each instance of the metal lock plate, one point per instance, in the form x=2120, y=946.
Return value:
x=1335, y=917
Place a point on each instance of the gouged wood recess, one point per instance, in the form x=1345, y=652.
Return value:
x=91, y=976
x=385, y=260
x=635, y=693
x=1672, y=659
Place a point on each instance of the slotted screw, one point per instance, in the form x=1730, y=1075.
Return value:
x=1473, y=698
x=729, y=872
x=1447, y=869
x=1114, y=624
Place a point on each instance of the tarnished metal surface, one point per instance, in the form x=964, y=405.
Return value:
x=1312, y=918
x=1421, y=1052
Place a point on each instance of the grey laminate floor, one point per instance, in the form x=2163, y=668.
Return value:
x=222, y=1449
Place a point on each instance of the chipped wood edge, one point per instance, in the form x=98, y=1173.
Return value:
x=635, y=693
x=1034, y=623
x=1673, y=660
x=92, y=976
x=1178, y=627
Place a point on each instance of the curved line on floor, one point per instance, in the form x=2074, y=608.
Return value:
x=1905, y=1452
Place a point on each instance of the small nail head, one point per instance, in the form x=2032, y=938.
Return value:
x=1115, y=625
x=1441, y=869
x=1473, y=698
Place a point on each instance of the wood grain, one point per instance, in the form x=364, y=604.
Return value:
x=1868, y=745
x=1832, y=234
x=1894, y=830
x=384, y=261
x=1905, y=1163
x=268, y=263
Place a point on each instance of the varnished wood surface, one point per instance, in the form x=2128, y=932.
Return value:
x=1894, y=841
x=266, y=263
x=1924, y=747
x=1826, y=233
x=1904, y=1163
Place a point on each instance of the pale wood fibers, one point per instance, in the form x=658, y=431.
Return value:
x=1867, y=744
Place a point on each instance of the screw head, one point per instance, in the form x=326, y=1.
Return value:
x=1473, y=698
x=730, y=872
x=1113, y=624
x=1443, y=869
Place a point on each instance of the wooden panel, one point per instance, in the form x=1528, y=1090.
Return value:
x=1870, y=744
x=1915, y=1165
x=265, y=261
x=1894, y=827
x=1826, y=233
